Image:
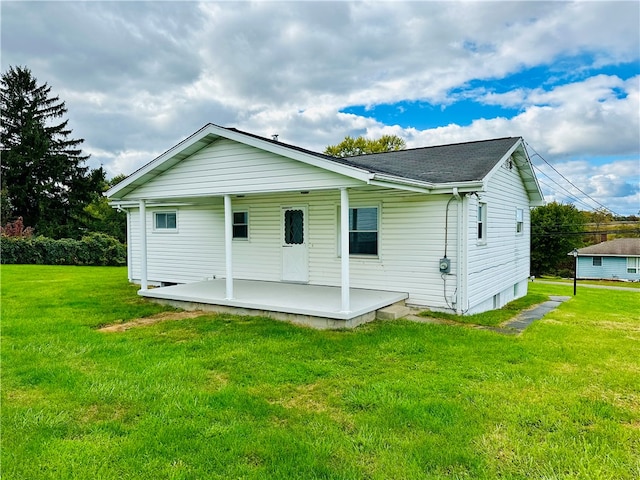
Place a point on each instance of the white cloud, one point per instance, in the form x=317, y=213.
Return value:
x=140, y=76
x=615, y=185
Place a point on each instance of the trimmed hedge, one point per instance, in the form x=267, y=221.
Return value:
x=94, y=249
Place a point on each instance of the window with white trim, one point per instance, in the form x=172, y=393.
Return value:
x=363, y=231
x=165, y=221
x=241, y=225
x=482, y=222
x=633, y=264
x=519, y=220
x=597, y=261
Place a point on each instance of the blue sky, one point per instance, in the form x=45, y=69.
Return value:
x=468, y=102
x=138, y=77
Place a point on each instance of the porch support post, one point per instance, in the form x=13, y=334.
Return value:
x=228, y=250
x=143, y=245
x=344, y=248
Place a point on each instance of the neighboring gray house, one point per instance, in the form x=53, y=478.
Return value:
x=443, y=227
x=617, y=259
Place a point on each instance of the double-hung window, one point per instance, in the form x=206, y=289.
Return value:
x=240, y=225
x=482, y=222
x=519, y=220
x=597, y=261
x=363, y=230
x=633, y=264
x=165, y=221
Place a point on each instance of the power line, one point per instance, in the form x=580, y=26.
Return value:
x=568, y=193
x=569, y=181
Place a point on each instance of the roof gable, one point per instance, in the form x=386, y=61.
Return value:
x=209, y=134
x=428, y=169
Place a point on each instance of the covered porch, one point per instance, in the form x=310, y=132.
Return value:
x=313, y=305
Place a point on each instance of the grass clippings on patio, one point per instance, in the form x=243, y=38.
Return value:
x=221, y=396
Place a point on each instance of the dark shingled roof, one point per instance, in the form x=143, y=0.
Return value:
x=619, y=246
x=460, y=162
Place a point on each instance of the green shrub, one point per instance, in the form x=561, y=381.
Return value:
x=94, y=249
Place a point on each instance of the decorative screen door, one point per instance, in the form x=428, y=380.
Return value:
x=295, y=258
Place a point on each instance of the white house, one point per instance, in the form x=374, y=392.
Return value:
x=232, y=219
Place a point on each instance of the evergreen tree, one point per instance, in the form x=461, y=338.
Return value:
x=44, y=179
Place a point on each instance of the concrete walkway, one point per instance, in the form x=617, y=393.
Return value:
x=525, y=318
x=514, y=326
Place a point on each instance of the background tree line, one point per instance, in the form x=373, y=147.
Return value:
x=44, y=178
x=47, y=189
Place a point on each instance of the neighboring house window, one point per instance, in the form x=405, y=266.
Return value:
x=519, y=220
x=241, y=225
x=482, y=222
x=633, y=264
x=165, y=221
x=597, y=261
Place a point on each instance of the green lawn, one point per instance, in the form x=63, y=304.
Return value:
x=228, y=397
x=608, y=283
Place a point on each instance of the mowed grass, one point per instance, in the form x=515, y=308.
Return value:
x=221, y=397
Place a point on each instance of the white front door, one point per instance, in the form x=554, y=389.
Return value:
x=295, y=257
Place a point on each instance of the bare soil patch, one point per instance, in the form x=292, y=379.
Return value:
x=161, y=317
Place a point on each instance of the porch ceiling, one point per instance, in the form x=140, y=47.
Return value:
x=293, y=298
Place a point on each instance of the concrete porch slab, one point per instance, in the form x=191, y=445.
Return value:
x=314, y=305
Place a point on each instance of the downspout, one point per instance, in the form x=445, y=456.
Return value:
x=460, y=258
x=143, y=245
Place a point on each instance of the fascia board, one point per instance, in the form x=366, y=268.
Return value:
x=158, y=162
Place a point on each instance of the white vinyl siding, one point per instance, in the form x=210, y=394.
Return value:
x=197, y=251
x=410, y=230
x=501, y=264
x=230, y=167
